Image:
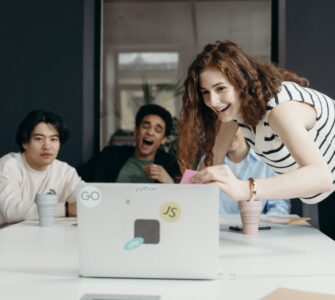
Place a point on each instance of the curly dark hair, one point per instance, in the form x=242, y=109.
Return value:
x=155, y=109
x=255, y=81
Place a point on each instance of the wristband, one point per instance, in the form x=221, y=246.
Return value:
x=253, y=189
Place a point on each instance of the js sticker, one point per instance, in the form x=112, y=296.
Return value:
x=170, y=211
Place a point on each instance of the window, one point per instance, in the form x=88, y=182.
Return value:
x=145, y=77
x=148, y=45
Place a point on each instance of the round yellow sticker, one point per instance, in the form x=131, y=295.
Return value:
x=170, y=211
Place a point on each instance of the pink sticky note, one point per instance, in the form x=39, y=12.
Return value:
x=187, y=176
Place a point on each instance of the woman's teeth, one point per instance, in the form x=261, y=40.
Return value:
x=224, y=108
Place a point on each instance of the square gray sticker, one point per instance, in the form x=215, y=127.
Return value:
x=149, y=230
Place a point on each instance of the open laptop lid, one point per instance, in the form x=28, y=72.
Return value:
x=148, y=230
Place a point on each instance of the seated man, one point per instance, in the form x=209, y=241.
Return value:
x=245, y=163
x=142, y=163
x=36, y=169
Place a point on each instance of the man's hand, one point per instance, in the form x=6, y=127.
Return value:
x=72, y=209
x=157, y=172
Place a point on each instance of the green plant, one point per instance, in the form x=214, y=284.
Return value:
x=151, y=91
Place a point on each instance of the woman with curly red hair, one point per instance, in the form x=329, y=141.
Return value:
x=290, y=126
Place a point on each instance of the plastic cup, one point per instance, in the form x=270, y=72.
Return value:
x=46, y=206
x=250, y=212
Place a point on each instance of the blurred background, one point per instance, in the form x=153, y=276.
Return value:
x=95, y=62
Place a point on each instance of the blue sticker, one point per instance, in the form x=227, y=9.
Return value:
x=134, y=243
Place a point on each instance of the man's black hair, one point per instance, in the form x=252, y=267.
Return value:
x=154, y=109
x=35, y=117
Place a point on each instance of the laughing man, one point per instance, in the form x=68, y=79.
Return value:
x=143, y=163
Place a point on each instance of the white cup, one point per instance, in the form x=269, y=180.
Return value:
x=46, y=205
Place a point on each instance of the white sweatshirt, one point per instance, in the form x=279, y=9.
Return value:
x=19, y=184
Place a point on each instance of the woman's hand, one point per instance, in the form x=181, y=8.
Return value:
x=157, y=172
x=222, y=175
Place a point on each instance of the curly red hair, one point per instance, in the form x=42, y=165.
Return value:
x=255, y=81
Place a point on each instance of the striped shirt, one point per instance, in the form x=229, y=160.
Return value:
x=270, y=147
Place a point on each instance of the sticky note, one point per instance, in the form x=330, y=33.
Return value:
x=187, y=176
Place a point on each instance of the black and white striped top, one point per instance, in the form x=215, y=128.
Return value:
x=270, y=147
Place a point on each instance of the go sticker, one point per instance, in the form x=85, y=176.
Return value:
x=133, y=243
x=170, y=211
x=90, y=196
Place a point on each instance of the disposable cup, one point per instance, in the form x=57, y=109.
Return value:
x=250, y=212
x=46, y=206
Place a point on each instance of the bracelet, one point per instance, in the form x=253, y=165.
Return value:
x=253, y=189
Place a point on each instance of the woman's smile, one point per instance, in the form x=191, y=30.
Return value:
x=219, y=95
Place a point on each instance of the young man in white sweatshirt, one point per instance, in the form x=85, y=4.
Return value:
x=36, y=170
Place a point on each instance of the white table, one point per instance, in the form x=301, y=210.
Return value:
x=41, y=263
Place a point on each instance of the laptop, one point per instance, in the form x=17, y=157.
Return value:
x=148, y=230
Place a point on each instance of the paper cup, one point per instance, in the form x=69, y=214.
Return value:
x=250, y=216
x=46, y=205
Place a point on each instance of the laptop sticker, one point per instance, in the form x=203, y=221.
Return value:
x=148, y=229
x=133, y=243
x=170, y=212
x=147, y=188
x=90, y=196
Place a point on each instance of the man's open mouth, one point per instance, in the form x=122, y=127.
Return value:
x=148, y=141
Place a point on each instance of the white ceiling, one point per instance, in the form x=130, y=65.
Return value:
x=158, y=25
